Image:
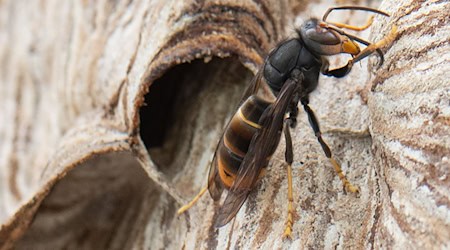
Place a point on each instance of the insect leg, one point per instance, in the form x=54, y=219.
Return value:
x=371, y=48
x=389, y=38
x=192, y=202
x=315, y=126
x=289, y=157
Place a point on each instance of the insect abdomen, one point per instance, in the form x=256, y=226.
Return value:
x=237, y=138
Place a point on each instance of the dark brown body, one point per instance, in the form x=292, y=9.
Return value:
x=234, y=145
x=291, y=72
x=253, y=134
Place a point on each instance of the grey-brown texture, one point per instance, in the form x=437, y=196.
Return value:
x=410, y=116
x=74, y=75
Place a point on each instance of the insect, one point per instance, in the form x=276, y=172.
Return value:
x=291, y=72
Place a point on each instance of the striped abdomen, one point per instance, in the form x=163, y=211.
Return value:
x=237, y=137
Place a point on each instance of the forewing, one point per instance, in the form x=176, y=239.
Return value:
x=215, y=186
x=261, y=146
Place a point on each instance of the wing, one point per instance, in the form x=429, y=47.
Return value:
x=262, y=145
x=215, y=186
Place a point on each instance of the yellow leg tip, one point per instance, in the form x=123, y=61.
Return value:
x=289, y=220
x=352, y=189
x=393, y=30
x=389, y=38
x=182, y=210
x=190, y=204
x=287, y=233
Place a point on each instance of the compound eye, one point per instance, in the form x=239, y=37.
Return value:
x=323, y=36
x=322, y=40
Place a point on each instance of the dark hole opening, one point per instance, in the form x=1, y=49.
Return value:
x=188, y=103
x=159, y=103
